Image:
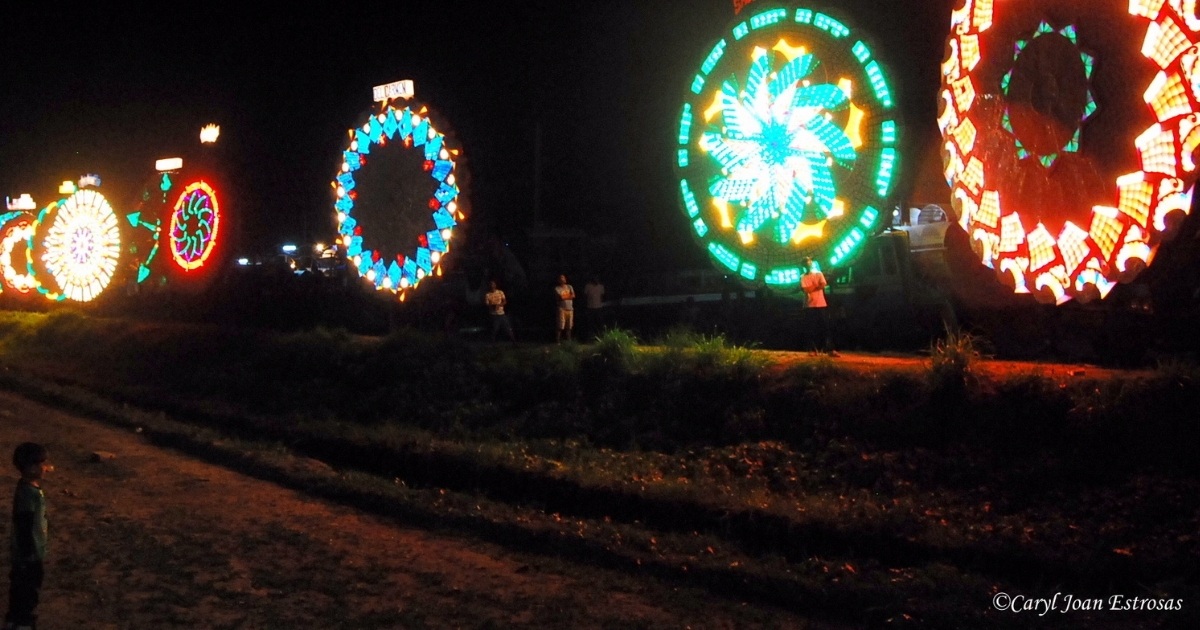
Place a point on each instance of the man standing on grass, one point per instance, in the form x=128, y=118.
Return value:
x=566, y=309
x=816, y=309
x=496, y=301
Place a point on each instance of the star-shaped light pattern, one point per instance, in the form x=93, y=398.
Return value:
x=1082, y=258
x=410, y=128
x=777, y=145
x=195, y=226
x=1047, y=159
x=786, y=145
x=81, y=246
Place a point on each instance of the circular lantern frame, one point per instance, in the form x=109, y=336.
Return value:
x=411, y=128
x=75, y=247
x=787, y=145
x=195, y=230
x=194, y=226
x=16, y=230
x=1067, y=208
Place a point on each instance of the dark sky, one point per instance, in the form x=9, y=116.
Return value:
x=109, y=89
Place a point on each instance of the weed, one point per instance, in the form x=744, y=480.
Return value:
x=952, y=361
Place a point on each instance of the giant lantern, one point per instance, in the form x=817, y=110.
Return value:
x=16, y=229
x=397, y=195
x=144, y=225
x=1069, y=129
x=72, y=248
x=786, y=144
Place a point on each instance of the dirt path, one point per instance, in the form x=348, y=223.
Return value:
x=152, y=538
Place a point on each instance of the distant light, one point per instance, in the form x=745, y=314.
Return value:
x=24, y=202
x=243, y=261
x=67, y=188
x=319, y=247
x=398, y=89
x=168, y=164
x=289, y=248
x=91, y=179
x=209, y=134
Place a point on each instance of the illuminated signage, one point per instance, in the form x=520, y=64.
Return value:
x=168, y=164
x=24, y=202
x=398, y=89
x=91, y=179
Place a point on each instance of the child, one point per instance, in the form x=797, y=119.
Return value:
x=29, y=537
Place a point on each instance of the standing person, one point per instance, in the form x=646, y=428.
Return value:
x=496, y=302
x=816, y=309
x=29, y=537
x=566, y=310
x=593, y=294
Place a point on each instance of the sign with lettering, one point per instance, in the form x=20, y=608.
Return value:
x=399, y=89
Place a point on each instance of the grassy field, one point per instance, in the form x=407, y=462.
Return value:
x=859, y=496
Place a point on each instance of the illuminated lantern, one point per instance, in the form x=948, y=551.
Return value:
x=16, y=229
x=787, y=145
x=1069, y=130
x=397, y=197
x=194, y=226
x=143, y=228
x=74, y=248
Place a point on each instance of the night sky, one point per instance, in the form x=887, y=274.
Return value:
x=110, y=89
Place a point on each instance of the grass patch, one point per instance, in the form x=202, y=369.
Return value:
x=938, y=476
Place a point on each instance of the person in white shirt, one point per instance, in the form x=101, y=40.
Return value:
x=496, y=301
x=566, y=309
x=816, y=309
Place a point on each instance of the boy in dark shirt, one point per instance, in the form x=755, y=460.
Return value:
x=28, y=538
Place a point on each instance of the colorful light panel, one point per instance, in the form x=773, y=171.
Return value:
x=1010, y=150
x=410, y=129
x=787, y=145
x=81, y=246
x=16, y=229
x=194, y=226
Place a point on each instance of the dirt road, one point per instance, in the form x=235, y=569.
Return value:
x=152, y=538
